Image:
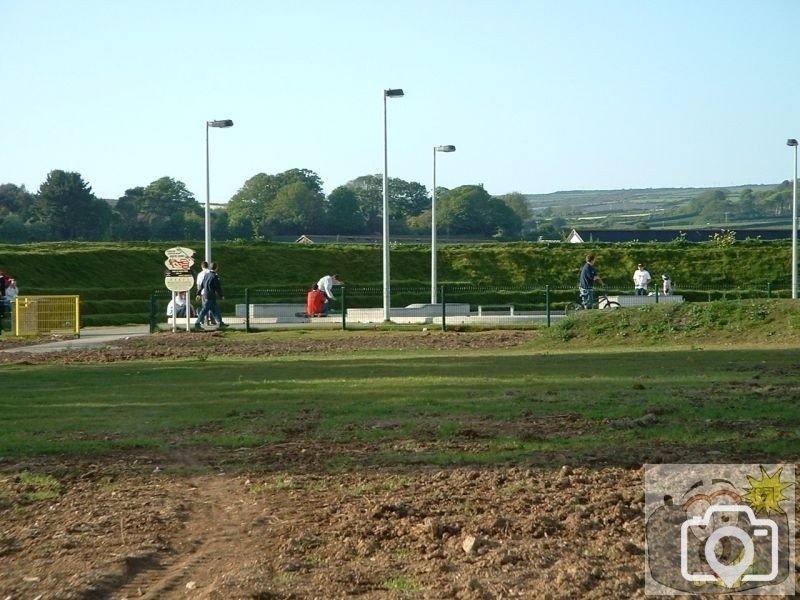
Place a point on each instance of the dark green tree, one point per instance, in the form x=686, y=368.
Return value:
x=519, y=204
x=711, y=206
x=406, y=199
x=471, y=210
x=250, y=208
x=369, y=193
x=343, y=214
x=296, y=209
x=67, y=208
x=746, y=207
x=13, y=230
x=776, y=202
x=15, y=200
x=164, y=210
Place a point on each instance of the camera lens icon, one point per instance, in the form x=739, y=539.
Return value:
x=763, y=531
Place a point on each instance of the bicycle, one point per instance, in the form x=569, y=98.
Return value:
x=601, y=301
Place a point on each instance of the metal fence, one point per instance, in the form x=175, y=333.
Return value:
x=43, y=315
x=457, y=305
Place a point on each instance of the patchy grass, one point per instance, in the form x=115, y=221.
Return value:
x=772, y=322
x=677, y=382
x=403, y=585
x=34, y=487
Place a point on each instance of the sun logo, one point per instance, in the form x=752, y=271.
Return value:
x=766, y=494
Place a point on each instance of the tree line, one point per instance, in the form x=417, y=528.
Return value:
x=289, y=203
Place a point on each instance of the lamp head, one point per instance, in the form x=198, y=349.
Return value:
x=221, y=123
x=791, y=142
x=396, y=93
x=448, y=148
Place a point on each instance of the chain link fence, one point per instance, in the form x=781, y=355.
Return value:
x=457, y=305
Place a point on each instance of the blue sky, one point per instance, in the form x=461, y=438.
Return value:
x=536, y=96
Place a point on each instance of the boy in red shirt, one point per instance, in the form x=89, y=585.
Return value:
x=315, y=302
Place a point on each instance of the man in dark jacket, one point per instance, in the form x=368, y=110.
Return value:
x=589, y=275
x=211, y=294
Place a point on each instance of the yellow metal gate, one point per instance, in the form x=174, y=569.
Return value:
x=37, y=315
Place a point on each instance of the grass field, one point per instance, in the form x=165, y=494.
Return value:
x=380, y=464
x=590, y=385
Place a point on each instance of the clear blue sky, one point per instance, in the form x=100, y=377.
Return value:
x=537, y=96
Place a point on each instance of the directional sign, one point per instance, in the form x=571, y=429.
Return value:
x=178, y=277
x=179, y=263
x=179, y=252
x=179, y=283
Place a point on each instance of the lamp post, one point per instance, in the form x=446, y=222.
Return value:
x=433, y=220
x=395, y=93
x=223, y=123
x=793, y=142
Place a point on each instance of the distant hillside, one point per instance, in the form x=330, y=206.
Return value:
x=658, y=207
x=650, y=199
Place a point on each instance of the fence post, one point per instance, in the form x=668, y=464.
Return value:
x=769, y=290
x=656, y=293
x=247, y=310
x=444, y=310
x=153, y=324
x=344, y=308
x=547, y=303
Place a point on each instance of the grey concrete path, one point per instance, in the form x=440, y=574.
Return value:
x=91, y=337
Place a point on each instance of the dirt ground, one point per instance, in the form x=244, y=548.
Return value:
x=156, y=526
x=187, y=345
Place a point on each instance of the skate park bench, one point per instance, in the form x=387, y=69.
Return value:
x=413, y=313
x=283, y=312
x=645, y=300
x=496, y=309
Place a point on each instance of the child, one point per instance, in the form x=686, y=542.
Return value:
x=667, y=284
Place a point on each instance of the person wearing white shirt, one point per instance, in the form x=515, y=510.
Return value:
x=179, y=306
x=201, y=292
x=641, y=279
x=325, y=285
x=667, y=283
x=12, y=291
x=201, y=277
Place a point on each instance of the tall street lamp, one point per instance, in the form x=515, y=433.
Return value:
x=396, y=93
x=793, y=142
x=433, y=220
x=222, y=123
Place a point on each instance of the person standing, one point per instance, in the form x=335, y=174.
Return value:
x=641, y=279
x=201, y=277
x=325, y=285
x=588, y=276
x=212, y=294
x=3, y=284
x=11, y=291
x=667, y=283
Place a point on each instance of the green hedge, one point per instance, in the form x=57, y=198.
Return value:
x=119, y=279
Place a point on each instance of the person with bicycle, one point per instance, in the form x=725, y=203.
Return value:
x=589, y=275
